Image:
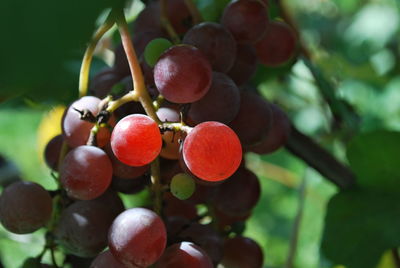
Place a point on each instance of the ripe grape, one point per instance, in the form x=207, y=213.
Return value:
x=242, y=252
x=130, y=186
x=52, y=152
x=86, y=172
x=212, y=151
x=244, y=185
x=24, y=207
x=221, y=103
x=182, y=186
x=83, y=226
x=253, y=120
x=277, y=136
x=136, y=140
x=216, y=43
x=278, y=45
x=154, y=49
x=176, y=207
x=137, y=237
x=170, y=149
x=245, y=64
x=245, y=19
x=106, y=260
x=184, y=255
x=76, y=131
x=182, y=74
x=102, y=83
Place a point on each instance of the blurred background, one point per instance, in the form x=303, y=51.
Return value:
x=355, y=45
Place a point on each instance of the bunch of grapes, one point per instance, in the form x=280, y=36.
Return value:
x=182, y=138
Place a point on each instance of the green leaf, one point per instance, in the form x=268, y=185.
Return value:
x=360, y=226
x=374, y=157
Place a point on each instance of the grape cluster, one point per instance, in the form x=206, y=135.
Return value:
x=190, y=155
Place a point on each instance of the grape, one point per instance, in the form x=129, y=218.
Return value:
x=216, y=43
x=182, y=74
x=224, y=219
x=106, y=260
x=176, y=207
x=242, y=252
x=52, y=152
x=123, y=171
x=86, y=172
x=245, y=187
x=221, y=103
x=254, y=119
x=245, y=19
x=277, y=136
x=83, y=226
x=130, y=186
x=25, y=207
x=278, y=45
x=245, y=64
x=182, y=186
x=169, y=169
x=175, y=225
x=205, y=237
x=102, y=83
x=170, y=149
x=76, y=131
x=137, y=237
x=184, y=255
x=154, y=49
x=136, y=140
x=212, y=151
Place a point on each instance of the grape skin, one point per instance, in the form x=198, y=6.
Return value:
x=137, y=237
x=182, y=74
x=25, y=207
x=106, y=260
x=242, y=252
x=86, y=172
x=245, y=64
x=212, y=151
x=184, y=255
x=182, y=186
x=216, y=43
x=136, y=140
x=52, y=152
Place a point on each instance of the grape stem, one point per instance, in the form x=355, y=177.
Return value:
x=194, y=11
x=87, y=58
x=167, y=24
x=175, y=127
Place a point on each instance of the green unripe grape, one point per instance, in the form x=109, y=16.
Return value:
x=154, y=49
x=182, y=186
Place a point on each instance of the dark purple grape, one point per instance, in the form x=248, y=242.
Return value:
x=244, y=186
x=106, y=260
x=277, y=136
x=102, y=83
x=254, y=119
x=245, y=19
x=222, y=219
x=76, y=131
x=137, y=237
x=25, y=207
x=278, y=45
x=245, y=64
x=52, y=152
x=133, y=186
x=242, y=252
x=83, y=226
x=86, y=172
x=175, y=207
x=205, y=237
x=216, y=43
x=184, y=255
x=182, y=74
x=221, y=103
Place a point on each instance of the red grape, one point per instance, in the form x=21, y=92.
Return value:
x=184, y=255
x=25, y=207
x=278, y=45
x=86, y=172
x=106, y=260
x=182, y=74
x=245, y=64
x=212, y=151
x=245, y=19
x=137, y=237
x=242, y=252
x=52, y=152
x=136, y=140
